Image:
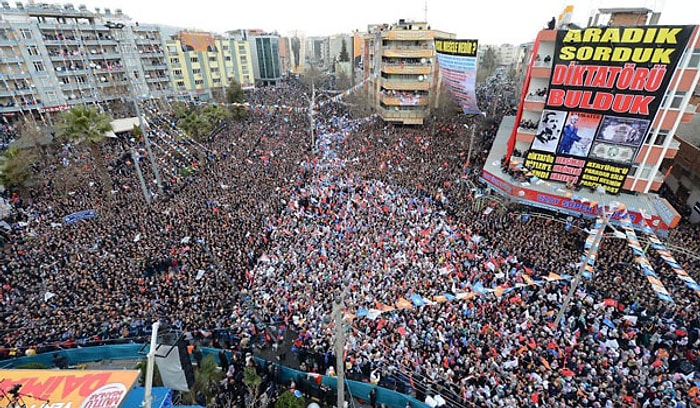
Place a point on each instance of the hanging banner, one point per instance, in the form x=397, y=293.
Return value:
x=79, y=216
x=457, y=63
x=606, y=86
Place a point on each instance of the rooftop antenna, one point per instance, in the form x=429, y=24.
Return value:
x=425, y=11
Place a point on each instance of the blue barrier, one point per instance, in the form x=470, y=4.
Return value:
x=131, y=351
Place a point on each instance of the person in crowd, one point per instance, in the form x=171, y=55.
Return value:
x=256, y=236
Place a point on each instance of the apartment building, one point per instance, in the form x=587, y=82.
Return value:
x=56, y=56
x=401, y=69
x=574, y=136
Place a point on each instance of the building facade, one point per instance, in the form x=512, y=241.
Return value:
x=203, y=65
x=53, y=57
x=401, y=69
x=646, y=174
x=585, y=134
x=265, y=54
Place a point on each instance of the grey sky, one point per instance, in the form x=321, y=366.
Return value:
x=490, y=21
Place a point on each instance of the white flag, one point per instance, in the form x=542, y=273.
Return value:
x=200, y=274
x=48, y=295
x=185, y=240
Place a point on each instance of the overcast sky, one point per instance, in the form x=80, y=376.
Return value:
x=489, y=21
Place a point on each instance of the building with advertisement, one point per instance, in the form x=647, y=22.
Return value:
x=400, y=68
x=599, y=110
x=203, y=65
x=53, y=57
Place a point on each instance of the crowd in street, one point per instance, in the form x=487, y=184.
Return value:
x=266, y=235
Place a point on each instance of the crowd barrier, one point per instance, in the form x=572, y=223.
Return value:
x=135, y=351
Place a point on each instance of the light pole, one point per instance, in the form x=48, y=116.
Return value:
x=589, y=255
x=475, y=123
x=154, y=166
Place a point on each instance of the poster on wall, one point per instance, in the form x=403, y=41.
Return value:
x=457, y=62
x=606, y=86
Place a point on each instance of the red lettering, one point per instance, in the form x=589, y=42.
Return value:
x=44, y=389
x=559, y=74
x=556, y=97
x=640, y=104
x=602, y=101
x=622, y=103
x=87, y=384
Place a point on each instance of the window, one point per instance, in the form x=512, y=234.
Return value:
x=39, y=66
x=225, y=47
x=243, y=59
x=217, y=80
x=26, y=33
x=32, y=50
x=198, y=81
x=194, y=59
x=214, y=70
x=694, y=58
x=172, y=49
x=180, y=84
x=212, y=59
x=175, y=61
x=244, y=69
x=241, y=49
x=660, y=138
x=197, y=71
x=228, y=58
x=177, y=72
x=676, y=101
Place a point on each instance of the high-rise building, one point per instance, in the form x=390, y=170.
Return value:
x=401, y=69
x=265, y=53
x=53, y=57
x=203, y=65
x=598, y=115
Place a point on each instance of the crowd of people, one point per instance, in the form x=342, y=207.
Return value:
x=265, y=237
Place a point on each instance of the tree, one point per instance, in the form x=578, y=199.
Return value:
x=289, y=400
x=36, y=138
x=180, y=109
x=344, y=56
x=206, y=379
x=16, y=168
x=142, y=366
x=488, y=65
x=252, y=380
x=236, y=97
x=85, y=125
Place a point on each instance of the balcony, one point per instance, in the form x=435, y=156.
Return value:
x=11, y=60
x=14, y=75
x=404, y=100
x=411, y=69
x=408, y=52
x=406, y=116
x=16, y=92
x=158, y=79
x=409, y=35
x=405, y=85
x=154, y=67
x=67, y=71
x=105, y=55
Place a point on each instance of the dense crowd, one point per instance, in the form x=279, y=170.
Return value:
x=262, y=236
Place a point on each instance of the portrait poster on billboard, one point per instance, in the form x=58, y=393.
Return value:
x=605, y=89
x=457, y=62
